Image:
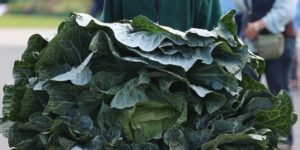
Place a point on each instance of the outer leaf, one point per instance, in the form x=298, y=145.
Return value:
x=251, y=84
x=159, y=32
x=227, y=29
x=144, y=146
x=214, y=102
x=90, y=101
x=7, y=100
x=12, y=102
x=233, y=60
x=255, y=64
x=24, y=68
x=109, y=117
x=27, y=145
x=80, y=75
x=29, y=104
x=213, y=76
x=129, y=95
x=199, y=53
x=67, y=49
x=17, y=136
x=62, y=96
x=200, y=37
x=37, y=122
x=256, y=141
x=175, y=139
x=22, y=71
x=123, y=34
x=5, y=126
x=232, y=125
x=195, y=138
x=96, y=143
x=109, y=60
x=104, y=81
x=279, y=118
x=35, y=44
x=66, y=144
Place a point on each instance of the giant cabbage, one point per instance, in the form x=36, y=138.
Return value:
x=137, y=85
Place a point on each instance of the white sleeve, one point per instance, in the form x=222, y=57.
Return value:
x=280, y=15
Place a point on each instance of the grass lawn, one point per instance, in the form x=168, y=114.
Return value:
x=17, y=20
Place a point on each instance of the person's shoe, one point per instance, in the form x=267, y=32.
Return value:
x=77, y=148
x=283, y=146
x=294, y=84
x=3, y=9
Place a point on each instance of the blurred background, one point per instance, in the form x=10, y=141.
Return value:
x=39, y=13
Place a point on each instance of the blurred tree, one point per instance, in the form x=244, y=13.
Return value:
x=56, y=7
x=3, y=6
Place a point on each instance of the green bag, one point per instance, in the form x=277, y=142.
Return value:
x=270, y=46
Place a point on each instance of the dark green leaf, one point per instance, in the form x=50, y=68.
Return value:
x=30, y=104
x=129, y=95
x=227, y=29
x=62, y=96
x=17, y=136
x=233, y=60
x=214, y=102
x=37, y=122
x=67, y=49
x=177, y=59
x=80, y=75
x=280, y=117
x=90, y=101
x=12, y=102
x=254, y=140
x=66, y=144
x=175, y=139
x=213, y=76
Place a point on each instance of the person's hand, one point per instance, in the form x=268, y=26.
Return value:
x=251, y=31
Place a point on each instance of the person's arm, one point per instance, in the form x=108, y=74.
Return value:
x=280, y=15
x=208, y=14
x=297, y=18
x=275, y=21
x=112, y=11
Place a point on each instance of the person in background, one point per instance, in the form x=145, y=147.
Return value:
x=294, y=84
x=271, y=17
x=97, y=8
x=3, y=7
x=178, y=14
x=297, y=17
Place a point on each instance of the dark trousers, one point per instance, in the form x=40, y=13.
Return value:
x=278, y=71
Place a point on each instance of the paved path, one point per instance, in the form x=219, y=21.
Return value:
x=13, y=43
